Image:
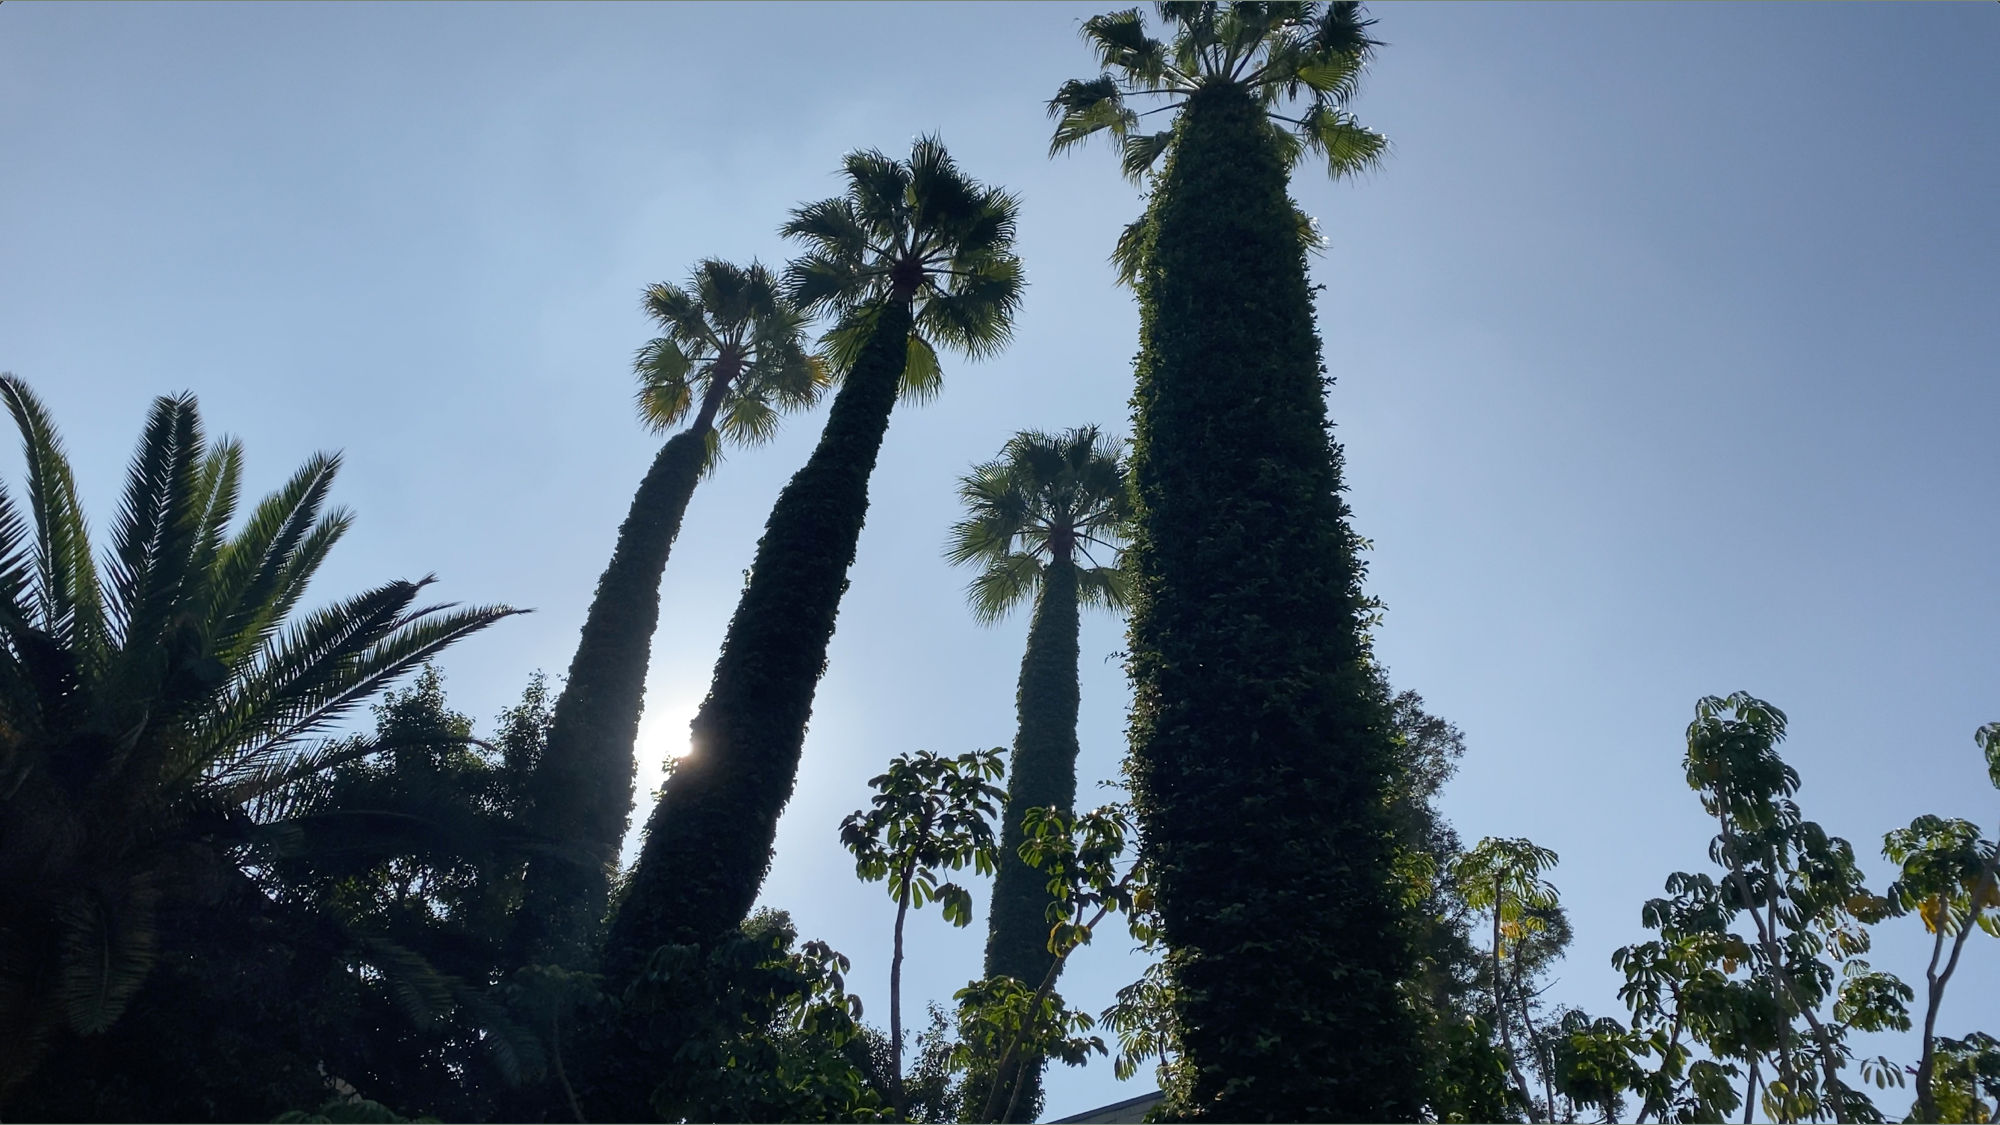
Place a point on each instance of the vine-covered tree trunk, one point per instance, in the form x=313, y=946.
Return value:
x=1260, y=747
x=708, y=843
x=582, y=787
x=1042, y=773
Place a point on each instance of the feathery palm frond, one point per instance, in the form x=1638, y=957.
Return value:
x=141, y=716
x=1049, y=500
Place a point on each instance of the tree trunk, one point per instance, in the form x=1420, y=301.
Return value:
x=708, y=843
x=896, y=1001
x=582, y=787
x=1260, y=745
x=1042, y=775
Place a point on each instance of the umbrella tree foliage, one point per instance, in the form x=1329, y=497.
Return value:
x=149, y=709
x=1033, y=518
x=1260, y=746
x=730, y=360
x=930, y=814
x=914, y=248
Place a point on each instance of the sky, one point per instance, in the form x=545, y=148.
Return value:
x=1664, y=346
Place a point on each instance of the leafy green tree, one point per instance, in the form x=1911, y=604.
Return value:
x=1005, y=1019
x=930, y=814
x=731, y=359
x=1260, y=750
x=146, y=711
x=1744, y=956
x=914, y=249
x=1950, y=878
x=1033, y=518
x=1502, y=878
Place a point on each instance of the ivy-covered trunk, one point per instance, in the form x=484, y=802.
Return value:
x=708, y=843
x=1042, y=773
x=582, y=787
x=1260, y=746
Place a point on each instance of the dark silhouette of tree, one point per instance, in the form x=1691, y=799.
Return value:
x=152, y=712
x=1260, y=748
x=732, y=356
x=914, y=252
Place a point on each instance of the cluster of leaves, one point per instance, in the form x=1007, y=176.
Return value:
x=1759, y=966
x=762, y=1031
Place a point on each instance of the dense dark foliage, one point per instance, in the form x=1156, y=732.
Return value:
x=1260, y=749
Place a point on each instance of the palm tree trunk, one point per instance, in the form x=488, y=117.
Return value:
x=582, y=787
x=1260, y=747
x=708, y=843
x=1043, y=774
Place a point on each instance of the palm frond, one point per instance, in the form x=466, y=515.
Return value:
x=108, y=944
x=154, y=541
x=748, y=420
x=923, y=375
x=422, y=992
x=1348, y=146
x=1083, y=108
x=1103, y=587
x=1128, y=256
x=1138, y=152
x=71, y=606
x=665, y=393
x=16, y=567
x=263, y=570
x=1004, y=583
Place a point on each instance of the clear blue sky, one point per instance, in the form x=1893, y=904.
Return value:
x=1665, y=346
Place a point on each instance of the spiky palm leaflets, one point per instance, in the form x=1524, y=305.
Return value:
x=913, y=253
x=1043, y=522
x=1259, y=746
x=732, y=357
x=150, y=710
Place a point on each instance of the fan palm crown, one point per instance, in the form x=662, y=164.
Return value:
x=1301, y=62
x=919, y=233
x=732, y=352
x=1048, y=500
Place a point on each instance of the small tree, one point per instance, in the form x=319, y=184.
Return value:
x=1949, y=879
x=930, y=814
x=1503, y=878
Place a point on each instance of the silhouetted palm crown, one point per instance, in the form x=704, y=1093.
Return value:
x=916, y=231
x=1301, y=62
x=733, y=353
x=1047, y=500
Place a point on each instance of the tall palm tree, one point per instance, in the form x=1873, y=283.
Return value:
x=915, y=254
x=731, y=359
x=1033, y=518
x=150, y=711
x=1260, y=742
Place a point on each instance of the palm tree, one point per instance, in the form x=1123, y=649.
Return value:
x=1260, y=741
x=915, y=254
x=149, y=713
x=732, y=355
x=1032, y=519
